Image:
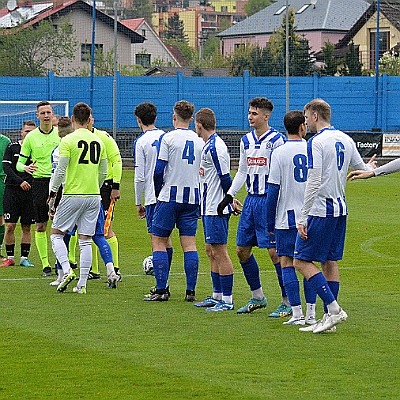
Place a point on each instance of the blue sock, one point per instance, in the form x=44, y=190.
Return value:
x=216, y=281
x=278, y=270
x=252, y=273
x=321, y=287
x=292, y=286
x=227, y=284
x=191, y=265
x=309, y=293
x=160, y=265
x=104, y=248
x=170, y=252
x=334, y=286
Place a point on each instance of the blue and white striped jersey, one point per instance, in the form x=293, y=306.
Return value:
x=215, y=162
x=289, y=171
x=334, y=153
x=254, y=162
x=145, y=151
x=181, y=150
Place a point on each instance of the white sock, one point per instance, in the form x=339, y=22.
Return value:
x=258, y=294
x=228, y=299
x=310, y=313
x=85, y=261
x=217, y=296
x=110, y=268
x=297, y=312
x=60, y=250
x=334, y=308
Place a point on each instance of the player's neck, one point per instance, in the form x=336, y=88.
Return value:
x=46, y=128
x=206, y=135
x=182, y=125
x=294, y=137
x=260, y=131
x=146, y=128
x=323, y=125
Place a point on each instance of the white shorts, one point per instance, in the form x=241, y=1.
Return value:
x=79, y=211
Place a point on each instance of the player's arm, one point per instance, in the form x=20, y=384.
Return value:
x=102, y=171
x=159, y=175
x=59, y=174
x=23, y=158
x=114, y=157
x=139, y=180
x=389, y=168
x=272, y=202
x=12, y=176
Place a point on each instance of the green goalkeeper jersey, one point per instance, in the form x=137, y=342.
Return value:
x=84, y=151
x=4, y=141
x=38, y=146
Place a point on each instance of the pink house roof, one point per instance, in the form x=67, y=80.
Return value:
x=133, y=23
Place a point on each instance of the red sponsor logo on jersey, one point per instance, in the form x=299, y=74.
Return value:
x=201, y=171
x=257, y=161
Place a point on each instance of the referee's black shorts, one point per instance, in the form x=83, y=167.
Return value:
x=18, y=204
x=40, y=193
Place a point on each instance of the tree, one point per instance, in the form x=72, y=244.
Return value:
x=254, y=6
x=35, y=50
x=389, y=64
x=138, y=9
x=330, y=62
x=352, y=60
x=175, y=29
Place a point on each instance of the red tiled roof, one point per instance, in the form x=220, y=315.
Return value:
x=133, y=23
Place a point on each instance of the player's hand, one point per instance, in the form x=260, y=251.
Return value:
x=237, y=207
x=359, y=174
x=372, y=161
x=25, y=186
x=31, y=168
x=141, y=211
x=302, y=229
x=115, y=194
x=228, y=199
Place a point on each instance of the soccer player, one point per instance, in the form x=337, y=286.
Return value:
x=109, y=192
x=322, y=223
x=4, y=142
x=18, y=203
x=145, y=152
x=176, y=185
x=255, y=154
x=38, y=146
x=286, y=184
x=215, y=180
x=83, y=167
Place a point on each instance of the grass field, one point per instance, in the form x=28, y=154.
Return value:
x=109, y=344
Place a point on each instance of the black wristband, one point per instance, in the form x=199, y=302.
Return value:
x=115, y=185
x=52, y=194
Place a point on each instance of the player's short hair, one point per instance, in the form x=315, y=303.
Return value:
x=147, y=112
x=29, y=122
x=293, y=120
x=321, y=107
x=184, y=110
x=64, y=126
x=42, y=103
x=262, y=103
x=206, y=117
x=82, y=113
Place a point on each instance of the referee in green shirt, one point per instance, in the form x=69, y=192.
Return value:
x=38, y=145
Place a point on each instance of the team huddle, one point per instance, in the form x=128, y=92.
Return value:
x=68, y=171
x=295, y=205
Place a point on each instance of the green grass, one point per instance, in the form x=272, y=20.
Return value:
x=109, y=344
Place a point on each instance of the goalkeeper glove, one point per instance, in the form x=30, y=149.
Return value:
x=228, y=199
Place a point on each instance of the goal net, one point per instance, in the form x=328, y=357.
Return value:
x=14, y=113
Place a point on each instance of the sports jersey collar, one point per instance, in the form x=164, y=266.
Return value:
x=46, y=133
x=262, y=137
x=149, y=130
x=328, y=128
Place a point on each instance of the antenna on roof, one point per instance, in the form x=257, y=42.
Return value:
x=12, y=5
x=313, y=3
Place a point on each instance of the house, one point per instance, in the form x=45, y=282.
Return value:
x=78, y=15
x=152, y=49
x=363, y=32
x=319, y=21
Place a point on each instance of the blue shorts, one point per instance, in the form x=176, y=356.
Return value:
x=285, y=241
x=167, y=215
x=325, y=239
x=216, y=229
x=252, y=227
x=149, y=216
x=100, y=222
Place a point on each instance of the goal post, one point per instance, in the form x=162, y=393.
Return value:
x=14, y=113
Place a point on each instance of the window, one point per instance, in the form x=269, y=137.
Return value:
x=384, y=45
x=239, y=46
x=300, y=10
x=224, y=8
x=86, y=49
x=144, y=60
x=144, y=32
x=280, y=11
